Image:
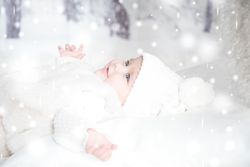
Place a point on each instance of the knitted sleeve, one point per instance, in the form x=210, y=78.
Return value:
x=71, y=124
x=70, y=130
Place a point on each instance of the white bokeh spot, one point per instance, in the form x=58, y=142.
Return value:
x=188, y=41
x=36, y=147
x=229, y=145
x=193, y=147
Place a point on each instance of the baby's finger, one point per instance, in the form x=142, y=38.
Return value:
x=80, y=49
x=100, y=151
x=61, y=51
x=81, y=55
x=91, y=149
x=73, y=47
x=106, y=156
x=67, y=47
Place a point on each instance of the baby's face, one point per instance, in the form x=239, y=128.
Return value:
x=121, y=75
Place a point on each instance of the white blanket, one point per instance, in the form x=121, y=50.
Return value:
x=187, y=140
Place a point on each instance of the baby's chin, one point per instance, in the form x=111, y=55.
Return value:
x=113, y=101
x=105, y=89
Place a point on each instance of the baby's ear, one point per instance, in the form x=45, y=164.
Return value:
x=195, y=92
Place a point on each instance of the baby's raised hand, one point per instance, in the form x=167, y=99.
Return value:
x=71, y=51
x=98, y=145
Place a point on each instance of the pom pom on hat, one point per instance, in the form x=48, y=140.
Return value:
x=195, y=92
x=158, y=91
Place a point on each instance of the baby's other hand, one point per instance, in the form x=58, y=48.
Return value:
x=99, y=146
x=71, y=51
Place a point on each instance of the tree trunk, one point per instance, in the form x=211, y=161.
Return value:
x=13, y=17
x=234, y=23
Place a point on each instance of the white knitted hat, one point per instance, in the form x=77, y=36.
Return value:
x=158, y=90
x=155, y=85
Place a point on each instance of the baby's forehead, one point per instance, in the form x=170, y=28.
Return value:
x=136, y=60
x=135, y=68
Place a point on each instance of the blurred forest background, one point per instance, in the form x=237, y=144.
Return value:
x=207, y=38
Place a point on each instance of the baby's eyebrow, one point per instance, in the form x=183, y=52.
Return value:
x=132, y=72
x=131, y=60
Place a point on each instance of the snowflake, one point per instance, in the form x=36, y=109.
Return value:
x=178, y=15
x=2, y=10
x=2, y=111
x=188, y=41
x=36, y=147
x=135, y=5
x=32, y=124
x=229, y=52
x=193, y=147
x=27, y=3
x=29, y=117
x=60, y=9
x=154, y=44
x=236, y=24
x=212, y=80
x=155, y=27
x=181, y=64
x=195, y=59
x=235, y=77
x=214, y=162
x=139, y=51
x=11, y=47
x=229, y=145
x=224, y=111
x=54, y=29
x=93, y=26
x=36, y=20
x=229, y=129
x=4, y=65
x=21, y=105
x=138, y=23
x=13, y=128
x=212, y=130
x=21, y=34
x=17, y=24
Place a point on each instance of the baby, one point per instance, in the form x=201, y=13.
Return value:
x=79, y=100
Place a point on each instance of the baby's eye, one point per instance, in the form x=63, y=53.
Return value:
x=127, y=77
x=126, y=63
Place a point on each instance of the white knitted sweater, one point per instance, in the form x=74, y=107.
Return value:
x=73, y=96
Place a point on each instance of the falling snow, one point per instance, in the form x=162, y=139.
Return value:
x=175, y=31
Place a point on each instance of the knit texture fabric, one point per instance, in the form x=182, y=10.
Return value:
x=158, y=90
x=155, y=85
